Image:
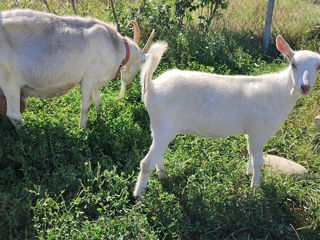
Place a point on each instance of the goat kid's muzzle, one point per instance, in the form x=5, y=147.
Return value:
x=305, y=89
x=305, y=86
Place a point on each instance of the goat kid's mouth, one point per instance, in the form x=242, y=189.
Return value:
x=304, y=90
x=304, y=93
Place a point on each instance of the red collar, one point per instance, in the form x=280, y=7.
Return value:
x=125, y=60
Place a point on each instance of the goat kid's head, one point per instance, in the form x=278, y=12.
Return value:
x=304, y=66
x=137, y=56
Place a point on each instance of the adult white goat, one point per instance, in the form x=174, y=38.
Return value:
x=44, y=55
x=211, y=105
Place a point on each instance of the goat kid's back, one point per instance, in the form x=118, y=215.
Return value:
x=211, y=105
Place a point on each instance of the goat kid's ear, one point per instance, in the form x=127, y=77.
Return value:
x=284, y=47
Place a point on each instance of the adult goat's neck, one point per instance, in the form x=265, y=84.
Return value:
x=126, y=58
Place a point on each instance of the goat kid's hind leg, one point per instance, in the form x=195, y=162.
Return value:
x=85, y=103
x=161, y=172
x=159, y=144
x=249, y=166
x=12, y=94
x=256, y=144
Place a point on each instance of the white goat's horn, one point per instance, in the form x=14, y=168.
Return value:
x=136, y=31
x=146, y=47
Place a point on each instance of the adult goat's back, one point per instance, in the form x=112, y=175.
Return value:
x=45, y=55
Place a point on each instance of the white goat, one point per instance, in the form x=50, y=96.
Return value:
x=44, y=55
x=211, y=105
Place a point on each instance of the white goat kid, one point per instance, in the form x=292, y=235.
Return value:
x=44, y=55
x=211, y=105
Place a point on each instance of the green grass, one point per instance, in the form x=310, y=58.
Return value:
x=61, y=182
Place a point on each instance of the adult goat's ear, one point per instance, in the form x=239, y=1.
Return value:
x=284, y=47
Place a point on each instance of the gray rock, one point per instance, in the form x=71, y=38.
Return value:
x=280, y=165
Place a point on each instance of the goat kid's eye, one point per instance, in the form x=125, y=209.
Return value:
x=294, y=66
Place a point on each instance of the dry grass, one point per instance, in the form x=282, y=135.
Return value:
x=289, y=17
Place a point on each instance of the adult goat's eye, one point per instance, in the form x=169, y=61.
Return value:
x=294, y=66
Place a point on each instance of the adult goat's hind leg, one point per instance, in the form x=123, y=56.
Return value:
x=96, y=97
x=160, y=142
x=86, y=91
x=256, y=144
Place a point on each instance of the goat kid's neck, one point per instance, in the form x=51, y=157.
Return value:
x=290, y=94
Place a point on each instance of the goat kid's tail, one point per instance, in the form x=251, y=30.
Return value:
x=155, y=53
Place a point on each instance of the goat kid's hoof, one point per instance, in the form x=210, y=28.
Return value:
x=24, y=135
x=255, y=187
x=18, y=124
x=138, y=197
x=248, y=170
x=162, y=174
x=121, y=95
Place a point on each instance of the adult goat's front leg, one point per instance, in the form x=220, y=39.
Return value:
x=12, y=94
x=123, y=89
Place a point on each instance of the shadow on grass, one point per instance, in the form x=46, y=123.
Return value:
x=229, y=212
x=47, y=159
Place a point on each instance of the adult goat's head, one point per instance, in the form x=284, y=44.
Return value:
x=304, y=66
x=137, y=57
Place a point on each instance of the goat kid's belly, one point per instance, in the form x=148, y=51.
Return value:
x=212, y=129
x=201, y=123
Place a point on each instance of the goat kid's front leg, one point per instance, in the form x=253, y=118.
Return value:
x=256, y=145
x=249, y=166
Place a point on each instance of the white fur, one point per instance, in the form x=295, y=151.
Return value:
x=44, y=55
x=211, y=105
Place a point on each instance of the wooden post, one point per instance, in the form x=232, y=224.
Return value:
x=74, y=7
x=267, y=29
x=114, y=15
